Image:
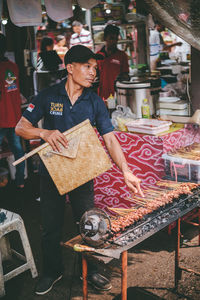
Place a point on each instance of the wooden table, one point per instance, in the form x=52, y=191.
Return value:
x=78, y=240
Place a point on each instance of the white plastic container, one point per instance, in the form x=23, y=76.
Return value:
x=176, y=105
x=179, y=168
x=148, y=126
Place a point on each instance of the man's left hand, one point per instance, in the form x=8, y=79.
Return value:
x=133, y=182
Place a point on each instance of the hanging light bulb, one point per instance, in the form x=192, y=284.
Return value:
x=107, y=8
x=4, y=15
x=108, y=11
x=4, y=21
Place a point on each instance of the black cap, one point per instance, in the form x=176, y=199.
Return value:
x=81, y=54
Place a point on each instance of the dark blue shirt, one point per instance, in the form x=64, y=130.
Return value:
x=54, y=106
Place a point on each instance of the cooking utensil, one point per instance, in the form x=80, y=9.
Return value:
x=106, y=252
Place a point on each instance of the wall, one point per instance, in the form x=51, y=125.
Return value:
x=195, y=78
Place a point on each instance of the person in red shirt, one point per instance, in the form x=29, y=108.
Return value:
x=10, y=108
x=114, y=64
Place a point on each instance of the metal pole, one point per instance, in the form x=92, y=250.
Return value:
x=177, y=252
x=199, y=224
x=84, y=274
x=124, y=275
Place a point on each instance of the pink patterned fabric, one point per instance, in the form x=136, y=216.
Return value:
x=144, y=157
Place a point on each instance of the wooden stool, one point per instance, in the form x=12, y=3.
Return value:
x=14, y=222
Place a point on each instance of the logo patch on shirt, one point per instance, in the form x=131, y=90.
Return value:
x=30, y=107
x=10, y=79
x=56, y=109
x=115, y=61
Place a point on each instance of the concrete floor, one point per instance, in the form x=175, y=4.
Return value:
x=150, y=264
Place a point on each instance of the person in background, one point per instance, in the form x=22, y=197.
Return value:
x=48, y=59
x=60, y=46
x=75, y=102
x=157, y=44
x=10, y=108
x=80, y=36
x=114, y=63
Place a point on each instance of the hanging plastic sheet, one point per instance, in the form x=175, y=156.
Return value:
x=59, y=12
x=25, y=13
x=88, y=4
x=180, y=16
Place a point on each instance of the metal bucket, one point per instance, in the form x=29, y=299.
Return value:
x=132, y=94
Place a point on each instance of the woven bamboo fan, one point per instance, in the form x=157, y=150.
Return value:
x=84, y=159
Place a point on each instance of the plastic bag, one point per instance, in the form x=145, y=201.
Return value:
x=120, y=116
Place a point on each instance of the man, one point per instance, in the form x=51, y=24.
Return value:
x=157, y=44
x=79, y=103
x=114, y=64
x=80, y=36
x=10, y=108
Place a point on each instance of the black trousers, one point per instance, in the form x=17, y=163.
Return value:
x=52, y=219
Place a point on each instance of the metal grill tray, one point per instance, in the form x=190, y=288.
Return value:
x=157, y=220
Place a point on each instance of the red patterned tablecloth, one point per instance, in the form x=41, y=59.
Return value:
x=144, y=157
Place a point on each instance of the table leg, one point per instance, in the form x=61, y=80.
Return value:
x=84, y=274
x=177, y=252
x=124, y=275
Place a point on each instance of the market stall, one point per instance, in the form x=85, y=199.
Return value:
x=144, y=156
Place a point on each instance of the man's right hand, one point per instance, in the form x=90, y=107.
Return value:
x=54, y=137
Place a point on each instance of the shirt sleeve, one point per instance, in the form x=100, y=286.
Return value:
x=103, y=122
x=35, y=111
x=124, y=63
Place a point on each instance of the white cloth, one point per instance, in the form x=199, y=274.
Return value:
x=181, y=51
x=25, y=13
x=83, y=39
x=59, y=12
x=88, y=4
x=154, y=42
x=155, y=47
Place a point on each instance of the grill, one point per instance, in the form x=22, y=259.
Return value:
x=147, y=225
x=157, y=220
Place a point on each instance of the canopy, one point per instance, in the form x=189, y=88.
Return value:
x=29, y=12
x=180, y=16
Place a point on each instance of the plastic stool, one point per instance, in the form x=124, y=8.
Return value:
x=14, y=222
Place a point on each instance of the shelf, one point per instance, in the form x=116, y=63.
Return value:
x=119, y=42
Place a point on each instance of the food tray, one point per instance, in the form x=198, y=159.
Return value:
x=169, y=99
x=179, y=168
x=149, y=126
x=177, y=105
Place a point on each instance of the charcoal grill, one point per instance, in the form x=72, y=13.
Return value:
x=141, y=230
x=157, y=220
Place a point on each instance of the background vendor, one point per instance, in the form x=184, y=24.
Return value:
x=114, y=65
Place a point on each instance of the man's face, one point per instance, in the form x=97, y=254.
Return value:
x=77, y=29
x=83, y=74
x=160, y=27
x=111, y=41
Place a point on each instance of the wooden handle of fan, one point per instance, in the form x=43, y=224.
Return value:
x=31, y=153
x=81, y=248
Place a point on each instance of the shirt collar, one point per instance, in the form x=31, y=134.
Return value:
x=104, y=52
x=85, y=95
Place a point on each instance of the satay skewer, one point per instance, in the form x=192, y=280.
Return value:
x=122, y=211
x=154, y=191
x=144, y=199
x=134, y=199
